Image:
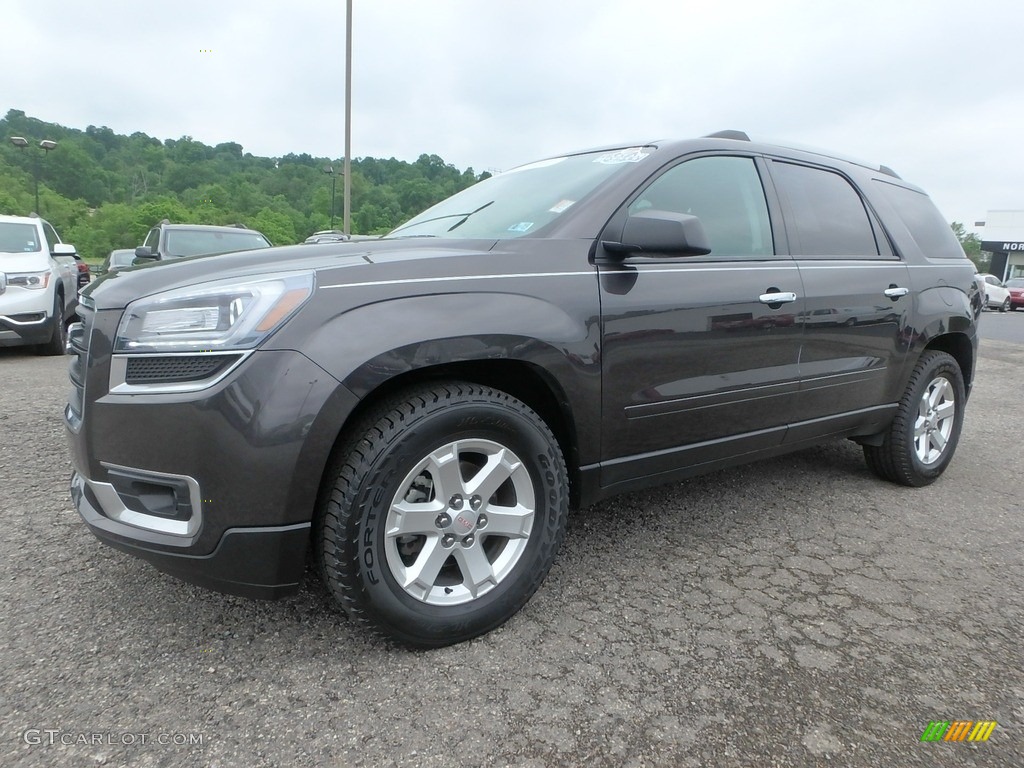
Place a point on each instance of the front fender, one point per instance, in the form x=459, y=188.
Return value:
x=369, y=344
x=366, y=346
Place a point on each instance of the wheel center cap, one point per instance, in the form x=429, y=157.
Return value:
x=464, y=522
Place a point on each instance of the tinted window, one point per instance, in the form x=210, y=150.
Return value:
x=153, y=239
x=19, y=238
x=725, y=193
x=50, y=234
x=826, y=216
x=198, y=242
x=932, y=233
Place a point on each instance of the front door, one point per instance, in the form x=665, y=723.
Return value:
x=699, y=359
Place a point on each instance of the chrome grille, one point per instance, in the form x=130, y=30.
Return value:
x=78, y=346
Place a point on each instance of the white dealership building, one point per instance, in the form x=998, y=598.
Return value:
x=1003, y=237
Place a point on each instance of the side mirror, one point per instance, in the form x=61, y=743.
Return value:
x=63, y=249
x=145, y=253
x=656, y=232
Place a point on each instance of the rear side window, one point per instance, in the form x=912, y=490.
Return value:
x=825, y=214
x=933, y=235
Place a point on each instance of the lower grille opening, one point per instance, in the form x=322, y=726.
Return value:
x=178, y=368
x=152, y=496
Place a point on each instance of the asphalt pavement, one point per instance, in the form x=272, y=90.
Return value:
x=796, y=612
x=1003, y=326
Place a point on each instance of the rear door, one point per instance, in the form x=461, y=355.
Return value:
x=857, y=297
x=697, y=363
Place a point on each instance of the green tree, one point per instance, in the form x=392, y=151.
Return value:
x=971, y=244
x=104, y=190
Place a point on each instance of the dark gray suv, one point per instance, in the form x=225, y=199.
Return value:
x=421, y=412
x=175, y=241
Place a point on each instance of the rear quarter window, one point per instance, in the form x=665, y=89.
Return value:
x=918, y=213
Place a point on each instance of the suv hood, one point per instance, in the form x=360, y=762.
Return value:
x=23, y=262
x=334, y=263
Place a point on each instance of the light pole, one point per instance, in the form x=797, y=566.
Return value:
x=46, y=145
x=334, y=178
x=348, y=116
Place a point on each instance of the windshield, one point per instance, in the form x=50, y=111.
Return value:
x=521, y=201
x=19, y=238
x=197, y=242
x=1017, y=282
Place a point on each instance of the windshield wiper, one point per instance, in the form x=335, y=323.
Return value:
x=446, y=216
x=465, y=218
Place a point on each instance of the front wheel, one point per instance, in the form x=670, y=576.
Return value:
x=923, y=436
x=1005, y=306
x=57, y=344
x=444, y=513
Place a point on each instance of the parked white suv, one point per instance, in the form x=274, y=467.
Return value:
x=38, y=285
x=997, y=295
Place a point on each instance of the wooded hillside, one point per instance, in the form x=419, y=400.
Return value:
x=103, y=190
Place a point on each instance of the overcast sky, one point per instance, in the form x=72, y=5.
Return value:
x=932, y=88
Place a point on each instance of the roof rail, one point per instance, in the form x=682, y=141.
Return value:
x=728, y=134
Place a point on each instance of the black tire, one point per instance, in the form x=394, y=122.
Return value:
x=57, y=344
x=910, y=454
x=1004, y=306
x=400, y=455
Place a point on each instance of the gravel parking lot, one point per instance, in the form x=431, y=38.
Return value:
x=795, y=612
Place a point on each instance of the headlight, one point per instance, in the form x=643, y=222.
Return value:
x=221, y=315
x=34, y=281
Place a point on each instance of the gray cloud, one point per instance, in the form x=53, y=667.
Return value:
x=930, y=87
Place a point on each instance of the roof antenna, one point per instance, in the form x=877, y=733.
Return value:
x=729, y=134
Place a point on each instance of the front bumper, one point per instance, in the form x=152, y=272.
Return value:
x=266, y=562
x=25, y=328
x=218, y=486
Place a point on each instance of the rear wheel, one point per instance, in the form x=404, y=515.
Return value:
x=923, y=436
x=444, y=514
x=1005, y=306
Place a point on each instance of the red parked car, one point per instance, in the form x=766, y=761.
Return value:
x=1016, y=286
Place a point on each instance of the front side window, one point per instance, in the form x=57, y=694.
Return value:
x=725, y=193
x=152, y=240
x=825, y=214
x=522, y=201
x=51, y=234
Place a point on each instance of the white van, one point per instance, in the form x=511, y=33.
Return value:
x=38, y=285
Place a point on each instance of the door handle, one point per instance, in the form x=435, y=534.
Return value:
x=894, y=292
x=776, y=298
